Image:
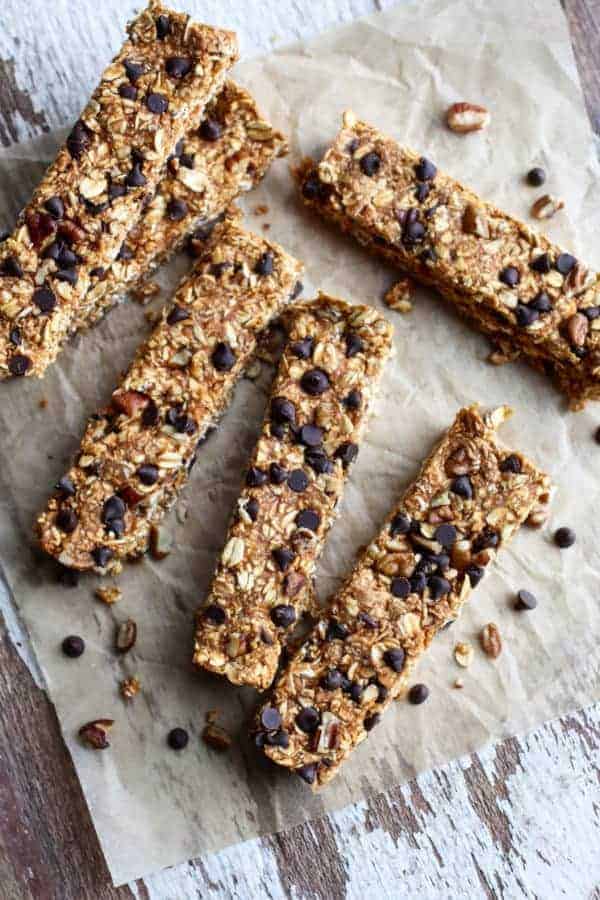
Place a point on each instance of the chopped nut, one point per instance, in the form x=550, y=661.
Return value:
x=216, y=737
x=538, y=515
x=109, y=595
x=474, y=221
x=129, y=402
x=546, y=206
x=491, y=641
x=95, y=734
x=463, y=118
x=161, y=541
x=399, y=295
x=130, y=687
x=577, y=329
x=126, y=636
x=463, y=654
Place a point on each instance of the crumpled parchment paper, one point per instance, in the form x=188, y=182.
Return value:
x=153, y=807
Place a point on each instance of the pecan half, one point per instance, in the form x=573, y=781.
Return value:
x=95, y=734
x=491, y=640
x=463, y=118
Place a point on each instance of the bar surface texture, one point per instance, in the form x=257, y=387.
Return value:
x=152, y=93
x=533, y=298
x=467, y=502
x=135, y=455
x=330, y=367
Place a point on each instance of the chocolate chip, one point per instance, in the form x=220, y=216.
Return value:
x=307, y=773
x=14, y=336
x=283, y=558
x=541, y=263
x=347, y=453
x=318, y=461
x=564, y=537
x=11, y=268
x=270, y=719
x=113, y=508
x=148, y=474
x=332, y=680
x=210, y=130
x=400, y=524
x=128, y=91
x=315, y=382
x=116, y=190
x=283, y=616
x=418, y=694
x=178, y=66
x=163, y=27
x=591, y=312
x=215, y=614
x=133, y=70
x=252, y=507
x=310, y=436
x=446, y=535
x=565, y=262
x=525, y=600
x=264, y=266
x=394, y=658
x=370, y=163
x=354, y=343
x=541, y=302
x=150, y=414
x=511, y=463
x=55, y=207
x=223, y=358
x=308, y=518
x=353, y=400
x=187, y=162
x=178, y=739
x=536, y=177
x=66, y=486
x=283, y=411
x=425, y=170
x=475, y=574
x=217, y=269
x=67, y=520
x=44, y=299
x=418, y=582
x=73, y=646
x=102, y=556
x=462, y=487
x=510, y=276
x=413, y=233
x=400, y=587
x=486, y=538
x=356, y=692
x=371, y=721
x=438, y=586
x=4, y=236
x=526, y=315
x=157, y=104
x=79, y=140
x=308, y=719
x=136, y=177
x=18, y=364
x=298, y=288
x=277, y=474
x=302, y=349
x=256, y=477
x=336, y=631
x=70, y=276
x=177, y=314
x=422, y=192
x=177, y=210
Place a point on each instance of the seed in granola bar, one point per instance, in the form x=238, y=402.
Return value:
x=270, y=718
x=310, y=436
x=400, y=587
x=418, y=694
x=210, y=130
x=264, y=266
x=400, y=524
x=308, y=719
x=283, y=557
x=66, y=486
x=425, y=170
x=277, y=474
x=510, y=276
x=283, y=410
x=353, y=400
x=394, y=658
x=128, y=91
x=256, y=477
x=223, y=358
x=370, y=163
x=67, y=520
x=303, y=349
x=73, y=646
x=542, y=263
x=215, y=614
x=55, y=207
x=462, y=487
x=536, y=177
x=157, y=103
x=485, y=539
x=422, y=191
x=308, y=518
x=79, y=140
x=283, y=615
x=475, y=574
x=315, y=382
x=177, y=314
x=178, y=739
x=438, y=587
x=525, y=600
x=446, y=535
x=565, y=262
x=564, y=537
x=526, y=315
x=332, y=680
x=307, y=773
x=148, y=474
x=336, y=631
x=347, y=453
x=102, y=556
x=354, y=343
x=510, y=463
x=318, y=461
x=44, y=299
x=252, y=507
x=177, y=210
x=11, y=268
x=178, y=66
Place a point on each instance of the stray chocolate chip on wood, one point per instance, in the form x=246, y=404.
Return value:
x=347, y=453
x=564, y=537
x=73, y=646
x=178, y=739
x=418, y=694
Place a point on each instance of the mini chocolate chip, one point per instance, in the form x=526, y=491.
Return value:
x=475, y=574
x=422, y=191
x=223, y=358
x=353, y=400
x=283, y=558
x=368, y=620
x=102, y=556
x=11, y=268
x=400, y=587
x=67, y=520
x=314, y=382
x=283, y=615
x=418, y=582
x=336, y=631
x=400, y=524
x=163, y=27
x=310, y=436
x=332, y=680
x=541, y=263
x=44, y=299
x=117, y=526
x=525, y=600
x=79, y=140
x=187, y=162
x=371, y=721
x=178, y=739
x=66, y=486
x=356, y=692
x=264, y=266
x=277, y=431
x=278, y=739
x=541, y=302
x=418, y=694
x=486, y=538
x=157, y=103
x=210, y=130
x=370, y=163
x=413, y=233
x=177, y=210
x=113, y=508
x=277, y=474
x=136, y=177
x=177, y=314
x=511, y=463
x=307, y=773
x=270, y=718
x=73, y=646
x=462, y=487
x=256, y=477
x=564, y=537
x=425, y=170
x=148, y=474
x=283, y=411
x=510, y=276
x=302, y=349
x=347, y=453
x=308, y=719
x=318, y=461
x=526, y=315
x=438, y=586
x=55, y=207
x=116, y=190
x=70, y=276
x=14, y=336
x=128, y=91
x=252, y=507
x=445, y=535
x=565, y=262
x=215, y=614
x=18, y=364
x=394, y=658
x=178, y=66
x=133, y=70
x=217, y=269
x=308, y=518
x=354, y=343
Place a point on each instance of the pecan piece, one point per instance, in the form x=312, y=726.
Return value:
x=130, y=402
x=491, y=640
x=216, y=737
x=95, y=734
x=126, y=636
x=463, y=654
x=546, y=206
x=463, y=118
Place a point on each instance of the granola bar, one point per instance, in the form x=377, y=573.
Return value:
x=330, y=367
x=469, y=499
x=135, y=455
x=506, y=279
x=148, y=99
x=228, y=153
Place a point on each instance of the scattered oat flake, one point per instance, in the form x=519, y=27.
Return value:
x=399, y=295
x=463, y=654
x=261, y=210
x=216, y=737
x=108, y=595
x=145, y=292
x=129, y=687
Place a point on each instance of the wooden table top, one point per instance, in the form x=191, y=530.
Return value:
x=520, y=819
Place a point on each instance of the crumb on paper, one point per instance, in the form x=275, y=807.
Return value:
x=129, y=687
x=109, y=595
x=463, y=654
x=459, y=684
x=399, y=295
x=266, y=226
x=43, y=403
x=261, y=210
x=216, y=737
x=145, y=292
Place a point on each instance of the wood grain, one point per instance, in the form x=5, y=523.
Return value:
x=518, y=820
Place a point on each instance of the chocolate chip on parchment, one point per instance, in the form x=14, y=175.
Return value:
x=73, y=646
x=264, y=266
x=177, y=210
x=315, y=382
x=308, y=518
x=55, y=207
x=178, y=739
x=178, y=66
x=256, y=477
x=564, y=537
x=525, y=600
x=475, y=574
x=283, y=615
x=283, y=411
x=536, y=177
x=394, y=658
x=565, y=262
x=283, y=557
x=66, y=520
x=354, y=343
x=308, y=719
x=425, y=170
x=370, y=163
x=223, y=358
x=418, y=694
x=44, y=299
x=510, y=276
x=157, y=103
x=277, y=474
x=128, y=91
x=210, y=130
x=302, y=349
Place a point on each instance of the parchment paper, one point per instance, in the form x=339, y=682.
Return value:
x=153, y=807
